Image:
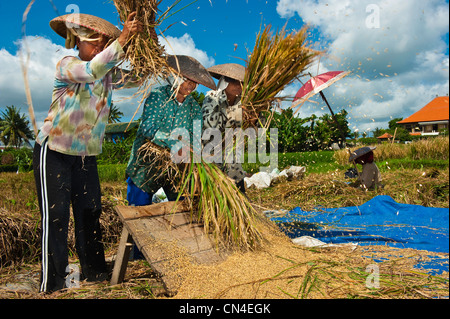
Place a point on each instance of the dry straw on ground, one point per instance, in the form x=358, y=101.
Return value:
x=284, y=270
x=434, y=148
x=146, y=56
x=278, y=270
x=144, y=53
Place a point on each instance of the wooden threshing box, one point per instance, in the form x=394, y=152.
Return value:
x=163, y=233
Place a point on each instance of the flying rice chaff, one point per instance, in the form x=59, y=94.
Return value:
x=276, y=61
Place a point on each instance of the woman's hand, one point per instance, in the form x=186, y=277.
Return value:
x=130, y=27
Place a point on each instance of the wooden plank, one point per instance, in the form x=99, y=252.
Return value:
x=123, y=254
x=168, y=240
x=136, y=212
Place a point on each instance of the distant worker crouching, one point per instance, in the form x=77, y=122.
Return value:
x=370, y=177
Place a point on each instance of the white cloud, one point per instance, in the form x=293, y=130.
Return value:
x=41, y=69
x=44, y=56
x=395, y=50
x=185, y=46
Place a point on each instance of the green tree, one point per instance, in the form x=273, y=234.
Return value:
x=293, y=134
x=14, y=127
x=199, y=97
x=327, y=131
x=114, y=114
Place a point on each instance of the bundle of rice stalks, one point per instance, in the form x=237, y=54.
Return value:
x=276, y=61
x=144, y=52
x=223, y=210
x=161, y=165
x=215, y=201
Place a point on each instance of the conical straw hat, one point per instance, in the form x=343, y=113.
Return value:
x=192, y=69
x=360, y=152
x=231, y=70
x=99, y=25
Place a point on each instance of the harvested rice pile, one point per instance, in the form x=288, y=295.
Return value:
x=284, y=270
x=144, y=53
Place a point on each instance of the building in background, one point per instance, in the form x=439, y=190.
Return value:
x=429, y=120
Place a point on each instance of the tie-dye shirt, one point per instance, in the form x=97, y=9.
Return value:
x=81, y=100
x=162, y=114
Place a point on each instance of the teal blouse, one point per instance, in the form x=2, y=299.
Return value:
x=161, y=115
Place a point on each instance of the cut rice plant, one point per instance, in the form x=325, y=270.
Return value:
x=276, y=61
x=223, y=210
x=161, y=164
x=225, y=213
x=146, y=56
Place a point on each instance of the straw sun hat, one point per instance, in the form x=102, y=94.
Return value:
x=63, y=23
x=230, y=70
x=192, y=69
x=360, y=152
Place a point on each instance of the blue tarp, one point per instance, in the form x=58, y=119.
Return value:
x=378, y=221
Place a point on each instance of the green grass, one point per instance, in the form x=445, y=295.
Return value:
x=112, y=172
x=315, y=162
x=407, y=163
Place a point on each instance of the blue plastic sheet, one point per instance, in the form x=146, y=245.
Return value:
x=378, y=221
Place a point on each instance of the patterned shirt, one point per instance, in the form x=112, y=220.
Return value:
x=161, y=115
x=218, y=114
x=81, y=100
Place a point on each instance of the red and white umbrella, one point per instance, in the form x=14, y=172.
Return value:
x=317, y=84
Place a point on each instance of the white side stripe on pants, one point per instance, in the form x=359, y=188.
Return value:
x=43, y=177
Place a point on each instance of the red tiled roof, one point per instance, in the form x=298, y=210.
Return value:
x=385, y=135
x=436, y=110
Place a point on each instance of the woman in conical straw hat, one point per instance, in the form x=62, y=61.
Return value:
x=167, y=109
x=370, y=177
x=222, y=109
x=64, y=160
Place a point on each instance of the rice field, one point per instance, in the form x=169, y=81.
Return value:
x=277, y=270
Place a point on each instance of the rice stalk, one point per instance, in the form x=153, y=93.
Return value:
x=24, y=63
x=276, y=61
x=215, y=201
x=143, y=50
x=146, y=56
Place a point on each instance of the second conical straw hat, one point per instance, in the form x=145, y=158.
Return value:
x=192, y=69
x=231, y=70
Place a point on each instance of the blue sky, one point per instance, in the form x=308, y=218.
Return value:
x=397, y=51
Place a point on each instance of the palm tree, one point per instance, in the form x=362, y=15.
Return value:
x=14, y=128
x=114, y=114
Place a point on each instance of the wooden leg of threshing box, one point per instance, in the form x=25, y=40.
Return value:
x=123, y=254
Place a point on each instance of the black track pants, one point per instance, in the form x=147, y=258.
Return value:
x=61, y=180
